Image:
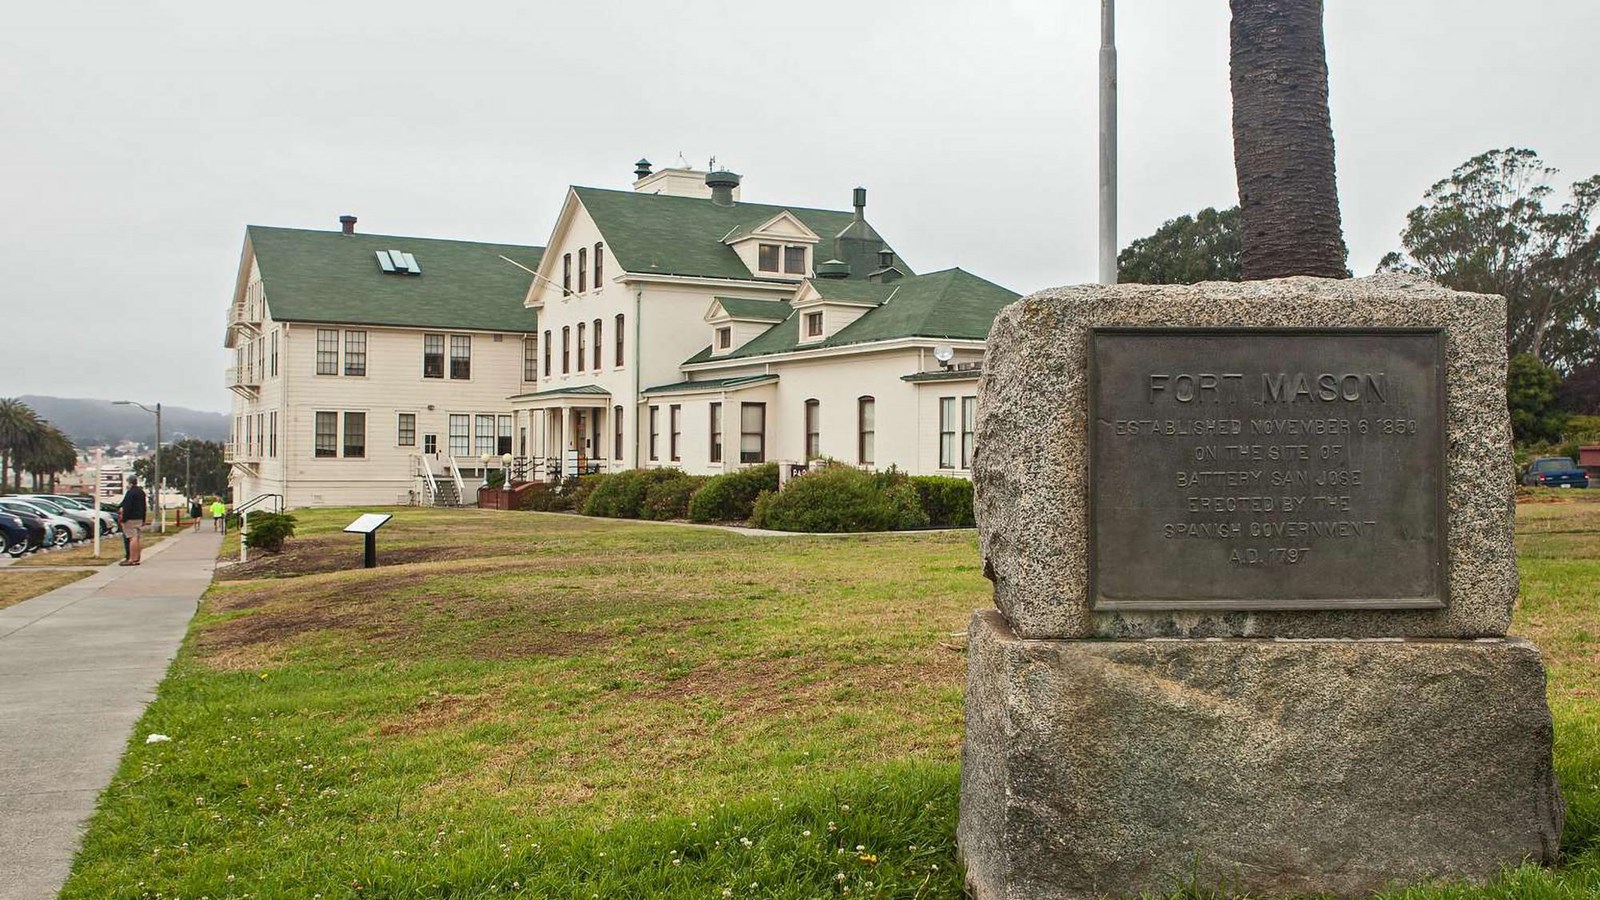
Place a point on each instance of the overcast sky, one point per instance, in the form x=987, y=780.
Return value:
x=138, y=139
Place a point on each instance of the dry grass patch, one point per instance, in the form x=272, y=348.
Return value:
x=16, y=586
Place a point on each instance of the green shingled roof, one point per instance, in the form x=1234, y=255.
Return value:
x=951, y=304
x=710, y=384
x=329, y=276
x=667, y=235
x=748, y=308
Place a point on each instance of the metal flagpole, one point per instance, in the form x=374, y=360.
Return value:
x=1108, y=142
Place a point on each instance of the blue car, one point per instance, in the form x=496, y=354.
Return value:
x=14, y=535
x=1555, y=471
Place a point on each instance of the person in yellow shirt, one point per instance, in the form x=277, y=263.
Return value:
x=219, y=515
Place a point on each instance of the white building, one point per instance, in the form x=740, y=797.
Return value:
x=362, y=363
x=680, y=326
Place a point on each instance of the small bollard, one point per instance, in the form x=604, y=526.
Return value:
x=367, y=525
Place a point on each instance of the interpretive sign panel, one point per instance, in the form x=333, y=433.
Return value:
x=368, y=523
x=1261, y=468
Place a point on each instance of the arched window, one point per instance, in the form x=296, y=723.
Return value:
x=583, y=269
x=813, y=430
x=566, y=349
x=616, y=427
x=566, y=274
x=619, y=340
x=867, y=430
x=599, y=267
x=547, y=353
x=598, y=343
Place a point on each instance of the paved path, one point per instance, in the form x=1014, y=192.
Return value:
x=77, y=666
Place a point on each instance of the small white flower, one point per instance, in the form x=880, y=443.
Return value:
x=745, y=842
x=806, y=833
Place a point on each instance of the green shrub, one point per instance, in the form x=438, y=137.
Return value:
x=269, y=530
x=549, y=496
x=947, y=501
x=732, y=497
x=579, y=487
x=621, y=496
x=669, y=499
x=840, y=498
x=494, y=478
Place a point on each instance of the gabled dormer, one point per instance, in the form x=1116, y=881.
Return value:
x=824, y=307
x=735, y=321
x=780, y=247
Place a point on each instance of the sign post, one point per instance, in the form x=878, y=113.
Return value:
x=368, y=525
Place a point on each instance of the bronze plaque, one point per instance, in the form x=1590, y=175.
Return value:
x=1264, y=468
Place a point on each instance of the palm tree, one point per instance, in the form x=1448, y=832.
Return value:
x=19, y=429
x=49, y=454
x=1283, y=141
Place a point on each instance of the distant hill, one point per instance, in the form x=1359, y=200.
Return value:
x=100, y=422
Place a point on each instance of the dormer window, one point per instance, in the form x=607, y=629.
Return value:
x=794, y=260
x=724, y=337
x=814, y=324
x=768, y=257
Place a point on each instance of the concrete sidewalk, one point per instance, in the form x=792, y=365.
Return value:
x=77, y=666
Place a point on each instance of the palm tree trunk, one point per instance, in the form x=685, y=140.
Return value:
x=1283, y=141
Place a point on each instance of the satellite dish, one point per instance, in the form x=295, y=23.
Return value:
x=944, y=354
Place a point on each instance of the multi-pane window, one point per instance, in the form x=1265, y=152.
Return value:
x=813, y=430
x=406, y=430
x=327, y=434
x=599, y=271
x=460, y=435
x=503, y=444
x=355, y=434
x=619, y=340
x=547, y=353
x=327, y=351
x=767, y=257
x=794, y=260
x=655, y=430
x=583, y=346
x=814, y=324
x=566, y=274
x=261, y=433
x=716, y=432
x=485, y=435
x=598, y=344
x=566, y=349
x=725, y=337
x=261, y=356
x=272, y=434
x=969, y=419
x=433, y=356
x=752, y=432
x=616, y=427
x=867, y=430
x=355, y=353
x=249, y=437
x=675, y=429
x=530, y=359
x=947, y=432
x=274, y=353
x=583, y=269
x=430, y=443
x=460, y=356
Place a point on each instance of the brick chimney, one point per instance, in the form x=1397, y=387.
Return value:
x=348, y=224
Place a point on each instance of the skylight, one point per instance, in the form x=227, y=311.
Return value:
x=398, y=262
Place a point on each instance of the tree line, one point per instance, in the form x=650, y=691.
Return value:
x=32, y=444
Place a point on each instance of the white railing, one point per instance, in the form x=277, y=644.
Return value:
x=455, y=472
x=428, y=479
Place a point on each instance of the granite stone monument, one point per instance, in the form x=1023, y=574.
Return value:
x=1251, y=547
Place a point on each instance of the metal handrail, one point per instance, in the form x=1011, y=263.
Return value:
x=257, y=500
x=428, y=479
x=455, y=470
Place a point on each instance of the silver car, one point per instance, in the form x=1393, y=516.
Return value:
x=63, y=530
x=108, y=521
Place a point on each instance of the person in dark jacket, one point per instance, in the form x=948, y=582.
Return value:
x=131, y=512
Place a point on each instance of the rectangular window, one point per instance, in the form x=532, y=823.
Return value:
x=272, y=434
x=503, y=445
x=794, y=260
x=655, y=430
x=597, y=345
x=752, y=432
x=274, y=353
x=355, y=435
x=547, y=353
x=327, y=435
x=813, y=430
x=583, y=346
x=599, y=269
x=530, y=359
x=406, y=431
x=460, y=356
x=619, y=340
x=969, y=420
x=724, y=337
x=867, y=425
x=675, y=429
x=355, y=353
x=947, y=432
x=249, y=436
x=327, y=351
x=566, y=349
x=814, y=324
x=261, y=433
x=616, y=424
x=433, y=356
x=583, y=269
x=566, y=275
x=485, y=436
x=430, y=443
x=767, y=257
x=716, y=432
x=460, y=435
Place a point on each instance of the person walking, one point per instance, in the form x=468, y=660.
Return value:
x=219, y=516
x=195, y=511
x=131, y=513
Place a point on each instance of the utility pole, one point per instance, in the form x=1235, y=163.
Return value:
x=161, y=515
x=1108, y=142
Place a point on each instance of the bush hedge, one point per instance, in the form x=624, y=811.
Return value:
x=947, y=501
x=732, y=497
x=841, y=498
x=669, y=498
x=550, y=496
x=622, y=495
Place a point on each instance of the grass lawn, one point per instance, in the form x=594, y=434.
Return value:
x=17, y=586
x=551, y=706
x=83, y=555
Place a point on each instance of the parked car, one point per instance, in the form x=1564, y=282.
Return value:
x=63, y=530
x=14, y=537
x=83, y=517
x=1555, y=471
x=39, y=535
x=108, y=520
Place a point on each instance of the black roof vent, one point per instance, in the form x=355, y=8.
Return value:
x=833, y=268
x=641, y=170
x=722, y=184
